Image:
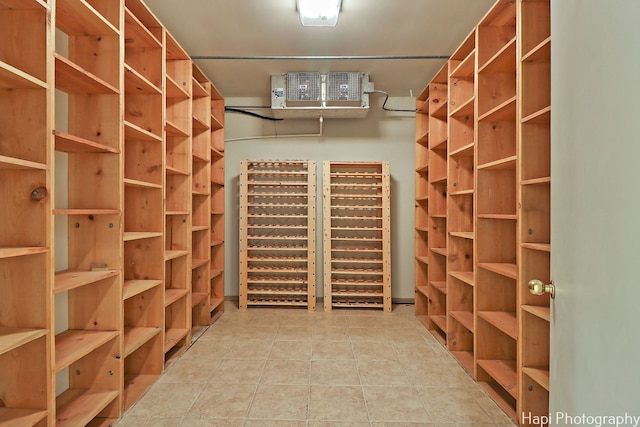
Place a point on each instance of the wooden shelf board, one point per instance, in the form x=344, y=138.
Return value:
x=134, y=338
x=73, y=144
x=135, y=83
x=216, y=153
x=13, y=78
x=216, y=123
x=137, y=34
x=172, y=337
x=423, y=139
x=500, y=401
x=77, y=407
x=466, y=67
x=197, y=298
x=502, y=268
x=198, y=90
x=464, y=151
x=543, y=313
x=506, y=163
x=506, y=217
x=139, y=235
x=440, y=286
x=175, y=90
x=505, y=321
x=176, y=213
x=440, y=321
x=422, y=259
x=221, y=242
x=465, y=318
x=440, y=216
x=464, y=276
x=85, y=211
x=133, y=131
x=13, y=163
x=197, y=157
x=462, y=234
x=464, y=109
x=504, y=373
x=79, y=18
x=140, y=184
x=539, y=375
x=423, y=289
x=440, y=111
x=13, y=417
x=422, y=229
x=16, y=251
x=169, y=255
x=198, y=262
x=539, y=53
x=71, y=78
x=132, y=288
x=506, y=111
x=466, y=360
x=216, y=302
x=542, y=116
x=197, y=228
x=215, y=273
x=173, y=295
x=421, y=199
x=543, y=247
x=422, y=169
x=173, y=129
x=504, y=61
x=135, y=386
x=12, y=338
x=198, y=124
x=71, y=279
x=536, y=181
x=462, y=193
x=170, y=170
x=73, y=344
x=439, y=251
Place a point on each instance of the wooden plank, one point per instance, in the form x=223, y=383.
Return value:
x=505, y=321
x=11, y=338
x=466, y=67
x=77, y=407
x=134, y=338
x=506, y=111
x=71, y=279
x=79, y=18
x=543, y=247
x=135, y=83
x=541, y=312
x=440, y=286
x=173, y=129
x=140, y=184
x=72, y=345
x=172, y=337
x=504, y=61
x=174, y=90
x=16, y=251
x=136, y=34
x=504, y=269
x=71, y=78
x=506, y=163
x=86, y=211
x=173, y=295
x=539, y=375
x=504, y=373
x=465, y=318
x=135, y=287
x=133, y=131
x=140, y=235
x=13, y=78
x=169, y=255
x=462, y=234
x=466, y=360
x=135, y=386
x=440, y=321
x=13, y=163
x=10, y=417
x=198, y=262
x=464, y=276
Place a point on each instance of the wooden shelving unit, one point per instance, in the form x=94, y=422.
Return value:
x=86, y=368
x=497, y=206
x=534, y=53
x=357, y=235
x=142, y=348
x=26, y=145
x=461, y=203
x=277, y=233
x=178, y=188
x=216, y=275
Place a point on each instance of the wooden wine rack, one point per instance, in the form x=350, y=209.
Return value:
x=357, y=235
x=277, y=233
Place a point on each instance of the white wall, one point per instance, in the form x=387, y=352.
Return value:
x=380, y=136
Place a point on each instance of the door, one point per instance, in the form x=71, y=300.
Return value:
x=595, y=202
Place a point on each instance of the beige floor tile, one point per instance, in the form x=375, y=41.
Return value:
x=327, y=320
x=374, y=351
x=381, y=372
x=239, y=371
x=148, y=422
x=395, y=404
x=280, y=371
x=294, y=333
x=338, y=424
x=367, y=334
x=330, y=333
x=452, y=405
x=363, y=321
x=154, y=403
x=228, y=422
x=274, y=423
x=411, y=425
x=282, y=402
x=223, y=401
x=403, y=333
x=242, y=349
x=334, y=372
x=426, y=375
x=191, y=371
x=337, y=403
x=414, y=351
x=290, y=350
x=336, y=350
x=257, y=332
x=491, y=408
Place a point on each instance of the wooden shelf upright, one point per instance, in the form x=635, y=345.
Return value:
x=357, y=235
x=277, y=233
x=89, y=142
x=498, y=210
x=26, y=181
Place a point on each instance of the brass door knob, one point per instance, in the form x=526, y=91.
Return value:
x=536, y=287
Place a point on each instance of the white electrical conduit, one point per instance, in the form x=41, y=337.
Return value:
x=300, y=135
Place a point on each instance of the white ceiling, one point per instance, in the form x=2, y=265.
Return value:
x=252, y=28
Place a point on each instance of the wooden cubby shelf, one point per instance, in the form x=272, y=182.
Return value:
x=73, y=345
x=134, y=338
x=483, y=192
x=12, y=338
x=71, y=78
x=71, y=279
x=73, y=144
x=70, y=405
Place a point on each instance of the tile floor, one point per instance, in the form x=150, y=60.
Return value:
x=289, y=367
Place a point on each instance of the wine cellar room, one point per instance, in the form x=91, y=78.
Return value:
x=321, y=213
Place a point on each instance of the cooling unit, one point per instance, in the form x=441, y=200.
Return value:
x=311, y=94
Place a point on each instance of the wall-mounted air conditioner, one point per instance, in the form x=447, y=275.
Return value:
x=310, y=94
